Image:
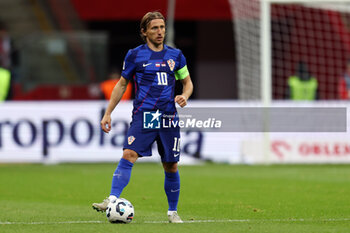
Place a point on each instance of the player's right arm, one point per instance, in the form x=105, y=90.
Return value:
x=128, y=72
x=116, y=96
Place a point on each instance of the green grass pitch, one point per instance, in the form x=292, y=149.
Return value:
x=214, y=198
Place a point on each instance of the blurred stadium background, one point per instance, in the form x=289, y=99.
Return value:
x=62, y=50
x=73, y=45
x=241, y=54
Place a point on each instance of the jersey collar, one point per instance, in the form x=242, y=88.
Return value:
x=165, y=47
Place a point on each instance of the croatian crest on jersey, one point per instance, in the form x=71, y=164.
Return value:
x=171, y=64
x=131, y=139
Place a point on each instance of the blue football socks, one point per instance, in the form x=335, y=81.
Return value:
x=121, y=177
x=172, y=189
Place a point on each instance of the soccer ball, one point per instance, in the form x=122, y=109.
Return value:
x=120, y=211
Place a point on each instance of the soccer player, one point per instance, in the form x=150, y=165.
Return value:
x=155, y=68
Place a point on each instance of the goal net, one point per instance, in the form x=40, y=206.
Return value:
x=289, y=37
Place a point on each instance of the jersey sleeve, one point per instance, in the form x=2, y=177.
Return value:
x=182, y=71
x=129, y=65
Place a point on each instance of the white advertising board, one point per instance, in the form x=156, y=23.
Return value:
x=299, y=151
x=53, y=132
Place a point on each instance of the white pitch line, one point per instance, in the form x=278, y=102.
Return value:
x=190, y=221
x=206, y=221
x=42, y=223
x=259, y=220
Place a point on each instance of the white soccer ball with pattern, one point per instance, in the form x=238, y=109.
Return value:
x=120, y=211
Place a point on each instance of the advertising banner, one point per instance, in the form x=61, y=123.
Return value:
x=298, y=151
x=218, y=131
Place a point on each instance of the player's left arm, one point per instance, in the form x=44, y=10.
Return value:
x=187, y=89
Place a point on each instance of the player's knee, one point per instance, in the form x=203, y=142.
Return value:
x=130, y=155
x=170, y=167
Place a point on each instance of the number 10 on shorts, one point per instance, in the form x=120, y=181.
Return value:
x=176, y=144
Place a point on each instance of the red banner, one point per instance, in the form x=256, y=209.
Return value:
x=134, y=10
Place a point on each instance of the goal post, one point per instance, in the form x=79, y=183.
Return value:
x=265, y=53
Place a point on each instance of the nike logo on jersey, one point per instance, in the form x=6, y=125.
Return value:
x=177, y=154
x=174, y=191
x=144, y=65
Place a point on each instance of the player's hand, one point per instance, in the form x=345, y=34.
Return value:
x=106, y=123
x=181, y=100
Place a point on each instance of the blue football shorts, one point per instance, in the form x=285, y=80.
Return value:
x=140, y=140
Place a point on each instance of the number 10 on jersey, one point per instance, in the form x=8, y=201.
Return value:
x=162, y=78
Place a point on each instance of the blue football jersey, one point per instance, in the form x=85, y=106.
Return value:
x=154, y=75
